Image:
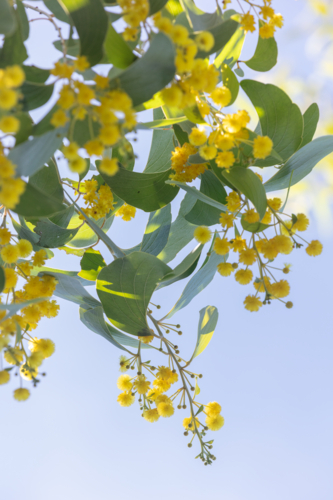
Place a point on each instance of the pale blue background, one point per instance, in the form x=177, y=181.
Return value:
x=271, y=371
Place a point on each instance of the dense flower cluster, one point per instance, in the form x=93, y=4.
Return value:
x=269, y=19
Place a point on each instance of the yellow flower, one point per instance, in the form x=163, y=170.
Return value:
x=8, y=98
x=109, y=166
x=21, y=394
x=225, y=159
x=45, y=346
x=163, y=372
x=244, y=276
x=227, y=220
x=314, y=248
x=238, y=244
x=35, y=360
x=205, y=41
x=179, y=34
x=161, y=385
x=81, y=63
x=302, y=223
x=283, y=244
x=62, y=70
x=165, y=409
x=221, y=96
x=141, y=384
x=126, y=212
x=85, y=94
x=247, y=22
x=266, y=11
x=274, y=203
x=125, y=399
x=251, y=216
x=10, y=254
x=197, y=137
x=67, y=97
x=124, y=383
x=94, y=147
x=77, y=165
x=277, y=20
x=267, y=218
x=259, y=284
x=252, y=303
x=225, y=142
x=13, y=356
x=24, y=247
x=225, y=269
x=109, y=135
x=146, y=339
x=9, y=124
x=262, y=147
x=208, y=152
x=39, y=258
x=233, y=202
x=202, y=234
x=213, y=409
x=14, y=76
x=130, y=34
x=59, y=118
x=172, y=96
x=267, y=30
x=10, y=278
x=101, y=81
x=215, y=422
x=5, y=236
x=269, y=249
x=164, y=24
x=151, y=415
x=4, y=377
x=188, y=423
x=280, y=289
x=248, y=256
x=221, y=246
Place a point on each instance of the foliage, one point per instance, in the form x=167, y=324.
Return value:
x=161, y=61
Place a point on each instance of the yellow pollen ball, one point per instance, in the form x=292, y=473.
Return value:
x=188, y=423
x=4, y=377
x=248, y=256
x=244, y=276
x=21, y=394
x=225, y=159
x=280, y=289
x=221, y=96
x=221, y=246
x=205, y=41
x=197, y=137
x=172, y=96
x=213, y=408
x=125, y=399
x=314, y=248
x=10, y=254
x=24, y=247
x=302, y=223
x=109, y=166
x=251, y=216
x=10, y=278
x=252, y=303
x=9, y=124
x=151, y=415
x=214, y=423
x=262, y=147
x=225, y=269
x=141, y=384
x=124, y=383
x=208, y=152
x=78, y=165
x=165, y=409
x=202, y=234
x=45, y=346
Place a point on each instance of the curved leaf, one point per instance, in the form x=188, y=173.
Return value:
x=230, y=81
x=91, y=264
x=48, y=181
x=156, y=6
x=222, y=34
x=183, y=270
x=35, y=203
x=7, y=18
x=53, y=236
x=265, y=55
x=199, y=196
x=117, y=51
x=125, y=287
x=157, y=231
x=311, y=118
x=232, y=50
x=35, y=95
x=69, y=288
x=300, y=164
x=207, y=324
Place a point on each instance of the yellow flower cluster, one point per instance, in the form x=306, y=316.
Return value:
x=110, y=109
x=11, y=187
x=99, y=200
x=254, y=247
x=126, y=212
x=134, y=13
x=269, y=20
x=14, y=330
x=185, y=171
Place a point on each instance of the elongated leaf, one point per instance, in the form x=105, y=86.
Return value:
x=13, y=50
x=86, y=236
x=17, y=306
x=301, y=164
x=35, y=95
x=181, y=231
x=203, y=214
x=156, y=6
x=157, y=231
x=222, y=34
x=198, y=282
x=35, y=203
x=193, y=114
x=200, y=20
x=249, y=184
x=207, y=324
x=147, y=191
x=230, y=81
x=62, y=219
x=30, y=156
x=2, y=277
x=91, y=264
x=24, y=232
x=69, y=288
x=25, y=130
x=161, y=148
x=150, y=73
x=7, y=18
x=53, y=236
x=33, y=74
x=232, y=50
x=93, y=319
x=265, y=56
x=22, y=20
x=48, y=181
x=91, y=23
x=161, y=123
x=56, y=272
x=125, y=288
x=182, y=135
x=56, y=9
x=183, y=270
x=117, y=51
x=199, y=196
x=311, y=118
x=280, y=119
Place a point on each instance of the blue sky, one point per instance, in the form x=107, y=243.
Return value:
x=271, y=372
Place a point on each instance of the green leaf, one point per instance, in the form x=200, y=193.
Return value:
x=94, y=320
x=35, y=95
x=156, y=6
x=91, y=264
x=199, y=195
x=255, y=227
x=200, y=20
x=56, y=9
x=30, y=156
x=24, y=232
x=7, y=18
x=265, y=56
x=22, y=20
x=184, y=269
x=62, y=219
x=250, y=185
x=311, y=118
x=159, y=159
x=222, y=34
x=232, y=50
x=198, y=282
x=280, y=119
x=230, y=81
x=157, y=231
x=91, y=23
x=56, y=272
x=181, y=231
x=33, y=74
x=125, y=287
x=53, y=236
x=86, y=236
x=25, y=130
x=149, y=74
x=17, y=306
x=125, y=154
x=69, y=288
x=48, y=181
x=300, y=164
x=18, y=336
x=182, y=135
x=117, y=51
x=82, y=128
x=2, y=277
x=161, y=123
x=35, y=203
x=203, y=214
x=193, y=114
x=207, y=324
x=146, y=191
x=13, y=50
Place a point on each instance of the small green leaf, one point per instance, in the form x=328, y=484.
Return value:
x=30, y=156
x=2, y=279
x=91, y=23
x=311, y=118
x=18, y=336
x=197, y=388
x=117, y=51
x=184, y=269
x=232, y=50
x=149, y=74
x=280, y=119
x=207, y=324
x=182, y=135
x=157, y=231
x=91, y=264
x=300, y=164
x=250, y=185
x=7, y=18
x=230, y=81
x=142, y=190
x=35, y=203
x=255, y=227
x=48, y=181
x=200, y=20
x=265, y=55
x=125, y=287
x=35, y=95
x=203, y=214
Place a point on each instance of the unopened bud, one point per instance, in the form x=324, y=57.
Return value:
x=235, y=265
x=289, y=305
x=286, y=270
